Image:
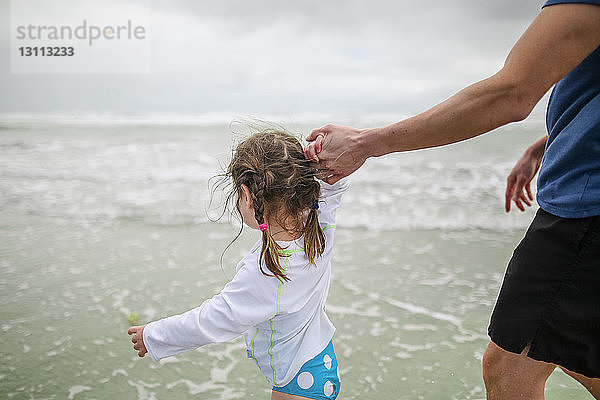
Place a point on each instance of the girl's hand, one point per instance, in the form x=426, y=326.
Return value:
x=138, y=339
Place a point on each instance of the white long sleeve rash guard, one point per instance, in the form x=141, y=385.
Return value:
x=284, y=323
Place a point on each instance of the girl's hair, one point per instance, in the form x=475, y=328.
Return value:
x=283, y=188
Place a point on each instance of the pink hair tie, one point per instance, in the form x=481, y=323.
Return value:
x=263, y=227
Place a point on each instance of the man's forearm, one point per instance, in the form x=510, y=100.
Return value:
x=538, y=148
x=477, y=109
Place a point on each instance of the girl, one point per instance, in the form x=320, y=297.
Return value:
x=277, y=296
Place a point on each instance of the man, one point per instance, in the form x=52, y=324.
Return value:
x=548, y=311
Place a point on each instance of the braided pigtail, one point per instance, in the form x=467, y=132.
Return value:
x=314, y=238
x=271, y=250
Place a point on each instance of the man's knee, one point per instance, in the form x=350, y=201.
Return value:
x=493, y=364
x=501, y=367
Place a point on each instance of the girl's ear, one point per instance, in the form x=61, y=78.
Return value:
x=247, y=195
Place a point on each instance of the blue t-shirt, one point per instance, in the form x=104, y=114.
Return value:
x=569, y=180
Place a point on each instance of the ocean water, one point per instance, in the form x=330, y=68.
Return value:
x=104, y=216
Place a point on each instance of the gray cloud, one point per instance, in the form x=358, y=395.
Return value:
x=286, y=57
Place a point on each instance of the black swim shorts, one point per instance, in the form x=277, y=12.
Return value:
x=550, y=297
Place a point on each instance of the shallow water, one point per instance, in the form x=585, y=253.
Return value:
x=101, y=220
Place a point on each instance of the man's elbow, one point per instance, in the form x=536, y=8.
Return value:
x=521, y=106
x=519, y=94
x=520, y=109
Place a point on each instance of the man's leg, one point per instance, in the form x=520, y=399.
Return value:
x=509, y=376
x=591, y=384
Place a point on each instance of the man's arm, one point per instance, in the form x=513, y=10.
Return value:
x=556, y=42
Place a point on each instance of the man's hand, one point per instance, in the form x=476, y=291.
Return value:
x=138, y=339
x=336, y=150
x=518, y=183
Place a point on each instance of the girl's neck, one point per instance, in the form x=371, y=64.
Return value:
x=281, y=234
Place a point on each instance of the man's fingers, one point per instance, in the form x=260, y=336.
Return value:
x=528, y=188
x=508, y=195
x=519, y=205
x=525, y=199
x=507, y=199
x=519, y=185
x=517, y=201
x=321, y=131
x=516, y=198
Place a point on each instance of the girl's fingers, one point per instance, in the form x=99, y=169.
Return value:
x=311, y=153
x=133, y=330
x=313, y=149
x=138, y=342
x=319, y=143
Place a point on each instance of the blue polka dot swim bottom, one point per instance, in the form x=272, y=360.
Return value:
x=318, y=378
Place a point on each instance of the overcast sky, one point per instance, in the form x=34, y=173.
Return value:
x=283, y=57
